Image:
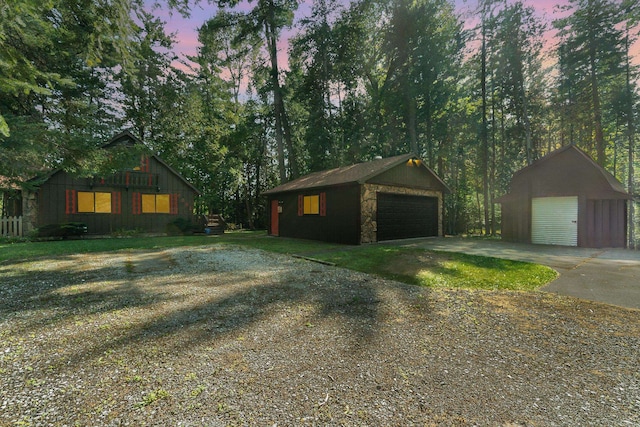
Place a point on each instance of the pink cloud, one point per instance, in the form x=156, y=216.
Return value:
x=187, y=39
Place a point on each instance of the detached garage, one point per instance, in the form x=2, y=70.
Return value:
x=565, y=198
x=385, y=199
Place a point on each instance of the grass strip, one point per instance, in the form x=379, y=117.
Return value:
x=410, y=265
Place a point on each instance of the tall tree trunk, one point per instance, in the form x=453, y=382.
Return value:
x=631, y=139
x=412, y=124
x=492, y=166
x=484, y=132
x=283, y=133
x=527, y=124
x=277, y=101
x=429, y=128
x=595, y=99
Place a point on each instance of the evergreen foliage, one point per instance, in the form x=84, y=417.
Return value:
x=359, y=79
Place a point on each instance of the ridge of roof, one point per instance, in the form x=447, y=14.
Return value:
x=128, y=133
x=111, y=143
x=357, y=173
x=611, y=180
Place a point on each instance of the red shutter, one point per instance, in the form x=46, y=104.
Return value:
x=173, y=204
x=70, y=202
x=144, y=164
x=116, y=202
x=300, y=205
x=323, y=204
x=137, y=203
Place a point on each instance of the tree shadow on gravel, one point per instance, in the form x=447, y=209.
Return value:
x=357, y=309
x=78, y=288
x=226, y=303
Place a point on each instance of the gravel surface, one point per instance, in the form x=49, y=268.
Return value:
x=222, y=336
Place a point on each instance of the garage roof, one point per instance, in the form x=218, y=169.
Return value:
x=564, y=168
x=359, y=173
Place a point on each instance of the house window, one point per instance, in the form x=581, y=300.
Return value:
x=155, y=203
x=312, y=205
x=94, y=202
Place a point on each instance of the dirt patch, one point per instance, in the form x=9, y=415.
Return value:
x=222, y=336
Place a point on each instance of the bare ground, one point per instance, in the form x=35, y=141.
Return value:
x=217, y=336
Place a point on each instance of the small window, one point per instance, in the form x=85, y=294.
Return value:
x=94, y=202
x=162, y=203
x=312, y=205
x=148, y=203
x=103, y=202
x=157, y=203
x=86, y=202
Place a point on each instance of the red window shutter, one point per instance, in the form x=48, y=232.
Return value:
x=323, y=204
x=116, y=202
x=150, y=180
x=70, y=202
x=173, y=202
x=300, y=205
x=136, y=203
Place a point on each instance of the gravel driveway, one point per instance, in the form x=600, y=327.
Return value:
x=229, y=336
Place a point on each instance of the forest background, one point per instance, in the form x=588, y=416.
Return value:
x=279, y=88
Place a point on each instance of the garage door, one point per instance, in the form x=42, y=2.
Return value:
x=402, y=217
x=554, y=221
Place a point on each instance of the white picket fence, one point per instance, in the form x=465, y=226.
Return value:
x=11, y=226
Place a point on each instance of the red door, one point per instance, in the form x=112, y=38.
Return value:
x=274, y=218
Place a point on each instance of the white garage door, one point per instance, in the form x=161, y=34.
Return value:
x=554, y=221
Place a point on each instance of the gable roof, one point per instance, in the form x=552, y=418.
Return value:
x=128, y=138
x=123, y=138
x=358, y=173
x=615, y=185
x=611, y=180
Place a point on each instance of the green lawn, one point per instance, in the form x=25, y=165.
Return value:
x=409, y=265
x=442, y=269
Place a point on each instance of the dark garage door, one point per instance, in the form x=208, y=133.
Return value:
x=402, y=217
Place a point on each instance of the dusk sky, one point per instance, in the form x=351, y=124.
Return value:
x=186, y=28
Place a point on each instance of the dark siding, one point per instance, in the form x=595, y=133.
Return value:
x=516, y=221
x=159, y=180
x=602, y=217
x=340, y=225
x=408, y=175
x=402, y=216
x=605, y=223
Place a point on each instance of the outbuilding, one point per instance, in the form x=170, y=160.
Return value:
x=565, y=198
x=384, y=199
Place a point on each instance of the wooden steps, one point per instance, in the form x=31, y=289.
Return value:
x=215, y=224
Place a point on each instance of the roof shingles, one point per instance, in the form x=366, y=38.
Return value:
x=358, y=173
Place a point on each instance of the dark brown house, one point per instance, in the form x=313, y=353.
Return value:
x=146, y=197
x=394, y=198
x=565, y=198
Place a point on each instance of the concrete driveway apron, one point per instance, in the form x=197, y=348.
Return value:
x=606, y=275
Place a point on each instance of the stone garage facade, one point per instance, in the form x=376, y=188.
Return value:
x=567, y=199
x=384, y=199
